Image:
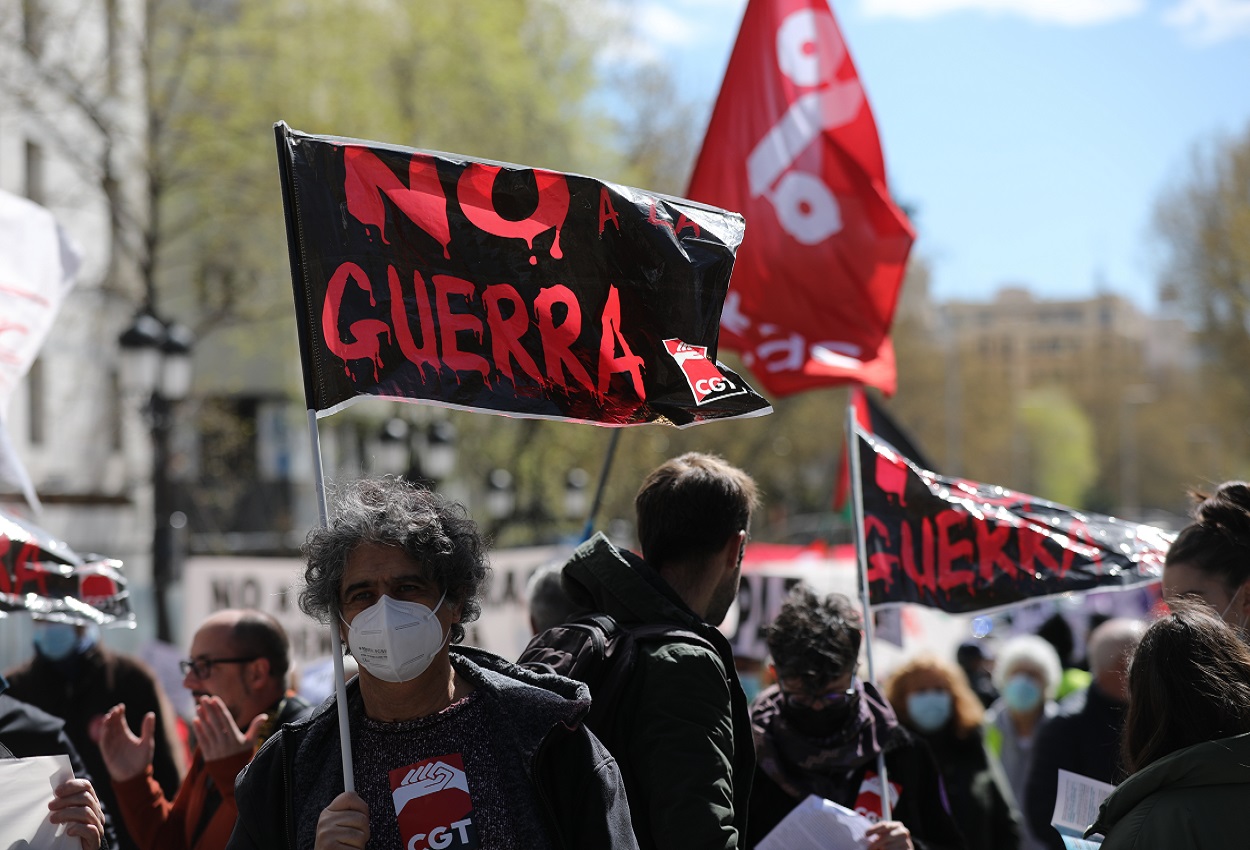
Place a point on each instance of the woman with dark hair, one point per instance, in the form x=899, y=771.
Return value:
x=821, y=729
x=1186, y=739
x=933, y=699
x=1210, y=558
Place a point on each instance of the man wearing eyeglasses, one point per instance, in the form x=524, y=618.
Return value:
x=237, y=675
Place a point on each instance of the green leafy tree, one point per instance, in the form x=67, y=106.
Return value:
x=1061, y=446
x=1204, y=229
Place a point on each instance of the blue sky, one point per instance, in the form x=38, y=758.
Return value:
x=1032, y=137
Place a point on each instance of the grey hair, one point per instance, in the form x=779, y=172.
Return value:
x=549, y=605
x=436, y=533
x=1033, y=652
x=1113, y=643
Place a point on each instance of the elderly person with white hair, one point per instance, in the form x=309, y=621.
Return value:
x=1027, y=678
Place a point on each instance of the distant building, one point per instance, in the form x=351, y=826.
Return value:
x=1075, y=343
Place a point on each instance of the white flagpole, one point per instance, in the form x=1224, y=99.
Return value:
x=861, y=554
x=336, y=643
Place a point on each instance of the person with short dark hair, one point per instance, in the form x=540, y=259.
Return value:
x=237, y=674
x=1186, y=739
x=1210, y=558
x=976, y=659
x=821, y=729
x=1057, y=631
x=933, y=700
x=680, y=731
x=448, y=745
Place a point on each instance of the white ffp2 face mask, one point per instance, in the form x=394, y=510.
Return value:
x=396, y=641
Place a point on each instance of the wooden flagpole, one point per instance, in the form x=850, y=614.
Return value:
x=861, y=554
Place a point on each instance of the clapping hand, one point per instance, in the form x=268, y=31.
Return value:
x=126, y=756
x=217, y=734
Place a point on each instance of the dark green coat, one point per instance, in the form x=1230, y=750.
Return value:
x=1192, y=799
x=685, y=748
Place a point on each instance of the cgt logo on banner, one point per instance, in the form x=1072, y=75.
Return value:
x=706, y=381
x=962, y=546
x=512, y=290
x=433, y=805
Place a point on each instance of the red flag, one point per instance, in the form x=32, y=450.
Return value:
x=792, y=145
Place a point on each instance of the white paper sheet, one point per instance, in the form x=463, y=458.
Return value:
x=1076, y=807
x=1073, y=843
x=818, y=824
x=24, y=817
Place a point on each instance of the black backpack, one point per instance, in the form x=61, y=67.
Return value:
x=595, y=649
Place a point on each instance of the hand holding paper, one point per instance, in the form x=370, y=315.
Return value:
x=75, y=804
x=889, y=835
x=818, y=824
x=45, y=806
x=1076, y=807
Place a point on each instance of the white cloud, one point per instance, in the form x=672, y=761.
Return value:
x=1066, y=12
x=659, y=24
x=1208, y=21
x=645, y=32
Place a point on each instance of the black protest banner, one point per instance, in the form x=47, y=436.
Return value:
x=42, y=575
x=429, y=277
x=961, y=546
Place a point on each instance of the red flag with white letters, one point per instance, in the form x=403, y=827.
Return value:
x=793, y=146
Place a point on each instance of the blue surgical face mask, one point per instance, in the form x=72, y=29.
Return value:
x=929, y=710
x=55, y=641
x=751, y=685
x=1022, y=693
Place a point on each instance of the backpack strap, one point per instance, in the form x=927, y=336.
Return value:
x=669, y=631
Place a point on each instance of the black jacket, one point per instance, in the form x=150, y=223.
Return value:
x=26, y=731
x=1084, y=738
x=299, y=770
x=979, y=796
x=920, y=805
x=682, y=730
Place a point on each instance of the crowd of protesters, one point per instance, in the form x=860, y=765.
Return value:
x=455, y=747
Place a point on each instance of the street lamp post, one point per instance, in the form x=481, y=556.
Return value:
x=424, y=455
x=156, y=363
x=576, y=493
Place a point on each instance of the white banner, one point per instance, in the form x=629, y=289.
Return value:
x=271, y=585
x=37, y=267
